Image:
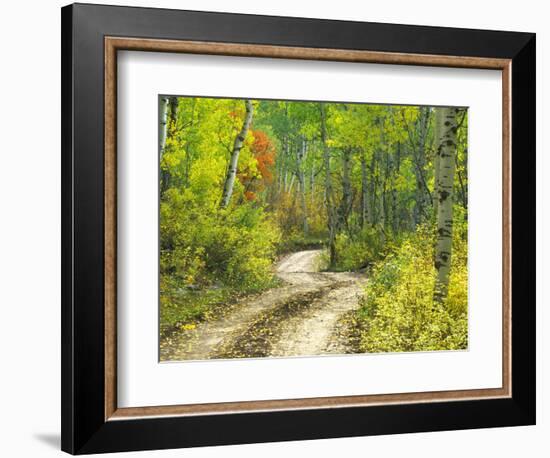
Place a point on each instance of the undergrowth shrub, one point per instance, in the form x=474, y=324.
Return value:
x=359, y=251
x=398, y=312
x=208, y=253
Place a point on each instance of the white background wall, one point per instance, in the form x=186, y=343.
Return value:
x=30, y=227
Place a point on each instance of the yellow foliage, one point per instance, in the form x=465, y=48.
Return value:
x=399, y=312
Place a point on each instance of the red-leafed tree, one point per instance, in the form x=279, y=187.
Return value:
x=264, y=153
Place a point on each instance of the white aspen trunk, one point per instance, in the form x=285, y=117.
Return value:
x=163, y=125
x=372, y=188
x=378, y=187
x=382, y=200
x=291, y=183
x=169, y=127
x=443, y=250
x=463, y=194
x=420, y=162
x=284, y=167
x=345, y=204
x=312, y=186
x=395, y=203
x=365, y=206
x=438, y=123
x=328, y=187
x=280, y=164
x=300, y=156
x=188, y=155
x=233, y=162
x=382, y=215
x=173, y=109
x=383, y=197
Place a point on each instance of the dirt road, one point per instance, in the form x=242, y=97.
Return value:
x=299, y=318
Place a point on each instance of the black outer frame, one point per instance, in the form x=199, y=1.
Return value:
x=84, y=429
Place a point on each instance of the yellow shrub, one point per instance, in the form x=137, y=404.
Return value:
x=399, y=314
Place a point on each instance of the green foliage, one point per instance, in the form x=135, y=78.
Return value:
x=399, y=313
x=201, y=245
x=207, y=249
x=359, y=251
x=379, y=156
x=297, y=241
x=209, y=254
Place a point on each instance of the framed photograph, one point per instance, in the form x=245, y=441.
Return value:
x=283, y=228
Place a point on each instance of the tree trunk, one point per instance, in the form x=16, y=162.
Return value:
x=345, y=204
x=300, y=156
x=291, y=182
x=383, y=200
x=366, y=213
x=188, y=149
x=373, y=181
x=395, y=203
x=233, y=162
x=173, y=102
x=312, y=186
x=443, y=250
x=328, y=187
x=163, y=126
x=438, y=124
x=284, y=170
x=462, y=191
x=420, y=163
x=169, y=128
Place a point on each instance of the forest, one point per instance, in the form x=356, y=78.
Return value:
x=300, y=228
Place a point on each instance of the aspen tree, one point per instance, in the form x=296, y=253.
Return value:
x=233, y=162
x=443, y=250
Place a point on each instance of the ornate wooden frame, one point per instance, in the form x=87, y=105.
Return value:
x=92, y=35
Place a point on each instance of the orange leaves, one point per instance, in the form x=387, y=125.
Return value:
x=249, y=195
x=264, y=152
x=262, y=143
x=236, y=114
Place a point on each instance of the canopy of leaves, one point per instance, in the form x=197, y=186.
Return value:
x=374, y=171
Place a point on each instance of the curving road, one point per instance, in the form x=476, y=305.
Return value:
x=300, y=318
